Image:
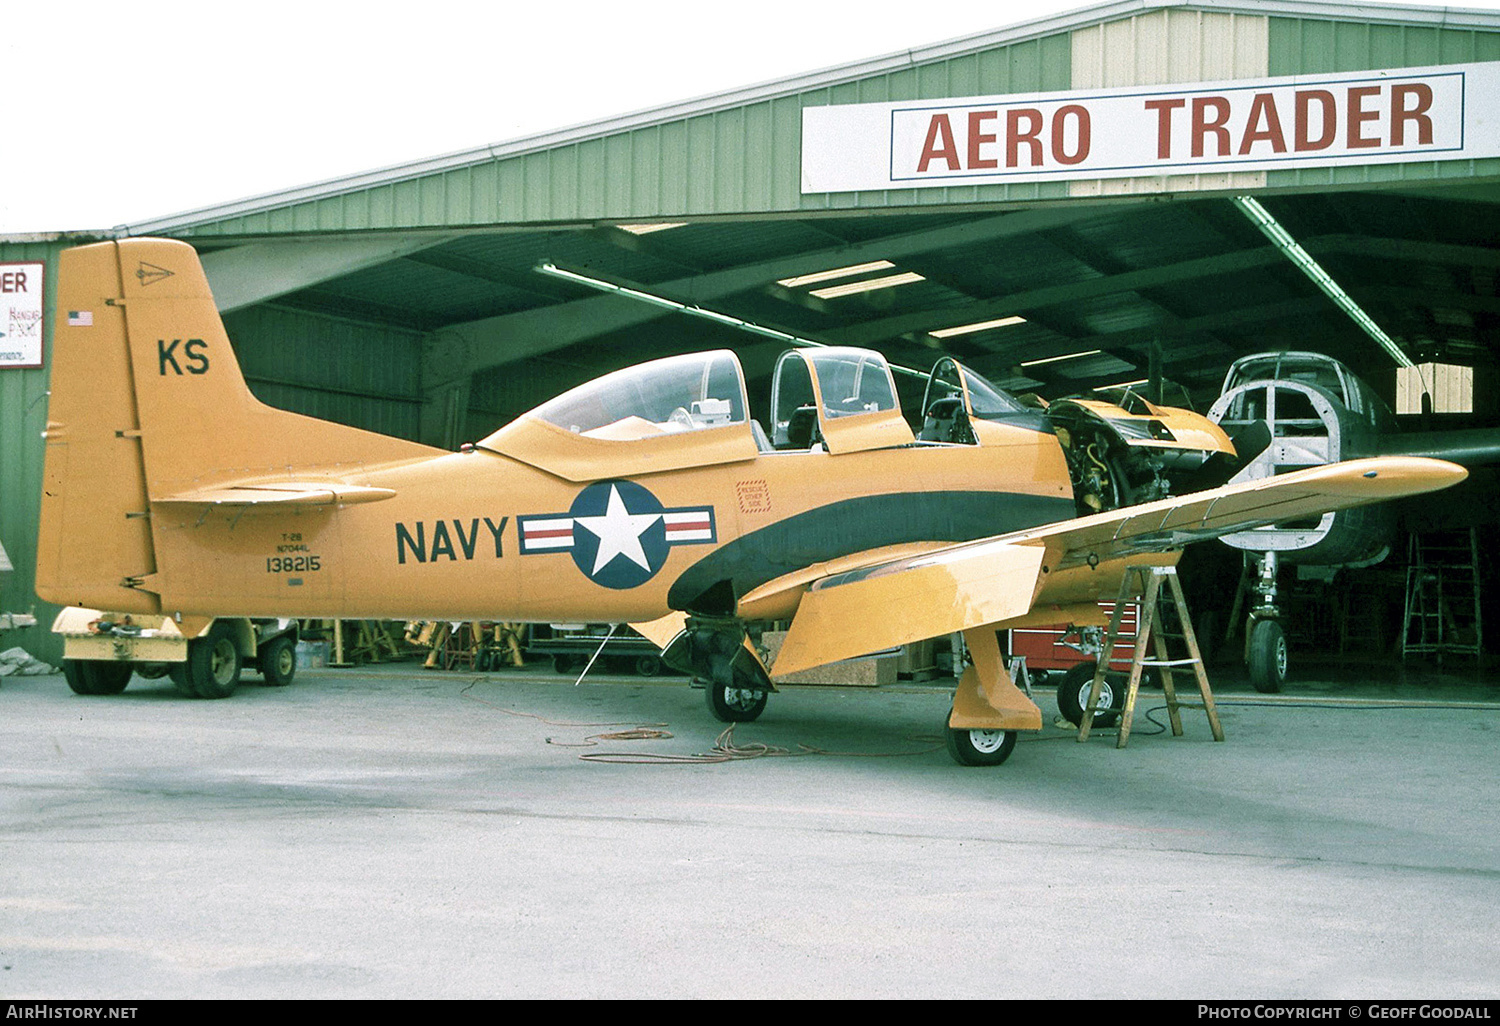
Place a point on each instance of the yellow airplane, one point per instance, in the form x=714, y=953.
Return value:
x=178, y=503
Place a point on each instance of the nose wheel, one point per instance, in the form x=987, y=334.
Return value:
x=733, y=704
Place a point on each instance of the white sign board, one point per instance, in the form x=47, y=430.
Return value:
x=20, y=315
x=1450, y=112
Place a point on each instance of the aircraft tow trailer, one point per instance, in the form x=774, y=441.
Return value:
x=101, y=651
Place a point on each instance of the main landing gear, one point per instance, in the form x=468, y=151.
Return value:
x=1265, y=641
x=988, y=709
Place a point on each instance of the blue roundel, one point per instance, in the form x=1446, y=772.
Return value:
x=619, y=534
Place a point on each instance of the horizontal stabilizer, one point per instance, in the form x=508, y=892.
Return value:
x=288, y=493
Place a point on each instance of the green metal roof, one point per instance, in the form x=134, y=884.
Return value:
x=736, y=153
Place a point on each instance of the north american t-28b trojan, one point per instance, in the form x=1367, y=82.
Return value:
x=650, y=496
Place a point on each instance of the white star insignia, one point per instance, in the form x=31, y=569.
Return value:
x=619, y=532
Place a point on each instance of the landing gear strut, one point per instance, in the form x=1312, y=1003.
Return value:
x=988, y=709
x=1265, y=641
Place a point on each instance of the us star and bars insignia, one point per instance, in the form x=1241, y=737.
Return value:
x=617, y=532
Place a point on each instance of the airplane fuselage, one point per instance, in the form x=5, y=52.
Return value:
x=481, y=535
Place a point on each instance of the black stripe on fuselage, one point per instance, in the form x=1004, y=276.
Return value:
x=857, y=525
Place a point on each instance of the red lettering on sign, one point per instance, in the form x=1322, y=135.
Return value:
x=1082, y=131
x=977, y=138
x=1015, y=135
x=1420, y=93
x=1358, y=115
x=1329, y=124
x=1203, y=126
x=13, y=281
x=939, y=145
x=1164, y=109
x=1264, y=125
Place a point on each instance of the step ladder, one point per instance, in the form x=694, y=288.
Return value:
x=1443, y=595
x=1146, y=581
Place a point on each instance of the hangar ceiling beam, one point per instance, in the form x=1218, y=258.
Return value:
x=1405, y=250
x=1020, y=302
x=254, y=273
x=1117, y=343
x=494, y=341
x=534, y=284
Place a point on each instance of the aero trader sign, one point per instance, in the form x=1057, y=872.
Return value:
x=1370, y=117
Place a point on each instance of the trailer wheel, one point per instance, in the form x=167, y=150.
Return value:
x=96, y=676
x=178, y=673
x=278, y=660
x=213, y=663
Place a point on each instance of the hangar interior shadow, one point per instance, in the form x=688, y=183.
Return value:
x=1190, y=280
x=1125, y=289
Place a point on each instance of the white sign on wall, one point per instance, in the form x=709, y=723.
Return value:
x=1450, y=112
x=21, y=315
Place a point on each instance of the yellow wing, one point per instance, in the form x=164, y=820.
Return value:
x=999, y=579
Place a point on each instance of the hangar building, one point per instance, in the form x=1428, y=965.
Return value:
x=986, y=197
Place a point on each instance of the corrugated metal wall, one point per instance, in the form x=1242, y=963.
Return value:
x=23, y=416
x=1162, y=47
x=740, y=160
x=368, y=376
x=744, y=159
x=1308, y=46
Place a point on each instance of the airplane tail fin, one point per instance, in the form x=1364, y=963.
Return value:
x=148, y=405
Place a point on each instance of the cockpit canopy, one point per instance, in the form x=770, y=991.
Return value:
x=840, y=398
x=670, y=414
x=692, y=411
x=1291, y=376
x=693, y=392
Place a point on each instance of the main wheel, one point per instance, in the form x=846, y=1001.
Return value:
x=213, y=663
x=734, y=705
x=1268, y=656
x=96, y=676
x=980, y=747
x=278, y=660
x=1073, y=695
x=648, y=665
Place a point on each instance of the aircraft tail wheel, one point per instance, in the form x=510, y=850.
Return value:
x=733, y=705
x=980, y=747
x=1073, y=695
x=96, y=677
x=213, y=663
x=1268, y=656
